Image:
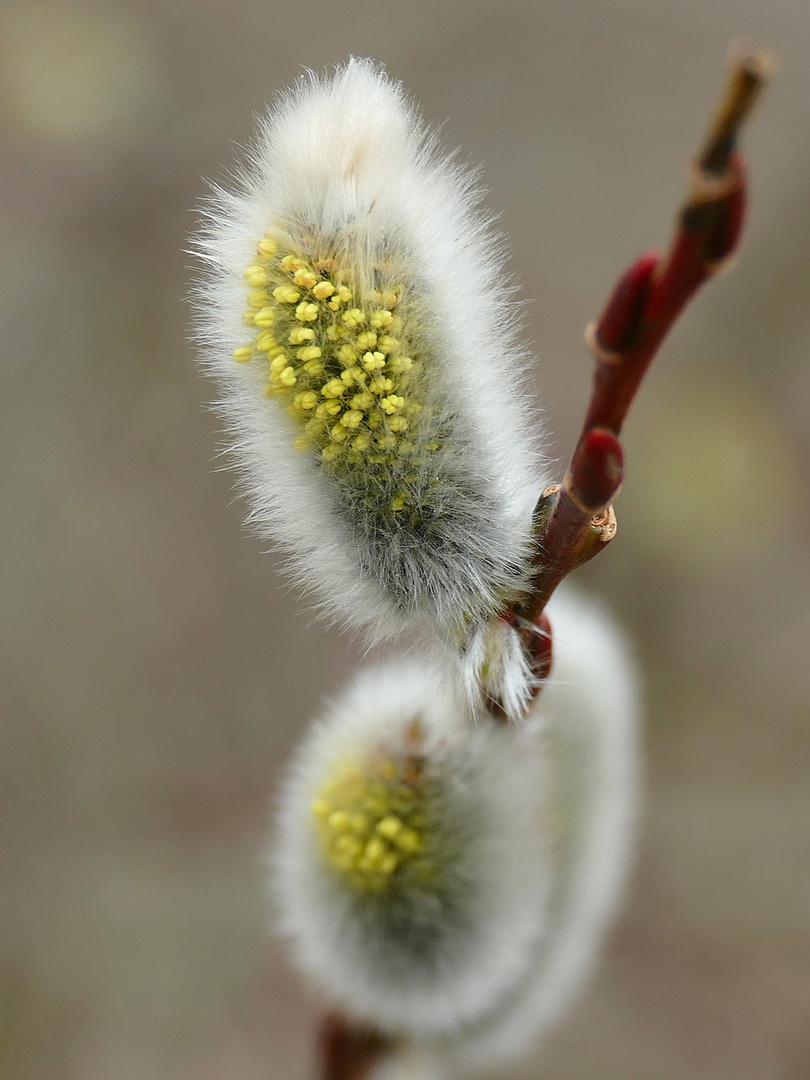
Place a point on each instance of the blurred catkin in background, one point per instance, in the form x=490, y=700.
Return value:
x=155, y=674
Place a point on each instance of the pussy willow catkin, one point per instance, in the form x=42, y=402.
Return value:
x=411, y=871
x=356, y=314
x=451, y=882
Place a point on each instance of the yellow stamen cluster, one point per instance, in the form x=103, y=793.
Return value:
x=335, y=354
x=375, y=825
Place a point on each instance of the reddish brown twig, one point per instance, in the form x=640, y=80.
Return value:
x=574, y=520
x=348, y=1051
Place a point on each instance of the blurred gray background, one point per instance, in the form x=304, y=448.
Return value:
x=155, y=673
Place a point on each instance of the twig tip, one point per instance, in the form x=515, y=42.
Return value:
x=757, y=60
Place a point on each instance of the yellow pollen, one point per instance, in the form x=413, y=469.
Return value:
x=389, y=827
x=347, y=355
x=352, y=419
x=391, y=403
x=373, y=361
x=334, y=388
x=387, y=344
x=408, y=841
x=339, y=821
x=362, y=401
x=366, y=340
x=376, y=828
x=256, y=277
x=291, y=263
x=265, y=341
x=380, y=319
x=375, y=849
x=259, y=298
x=286, y=294
x=300, y=334
x=328, y=341
x=264, y=317
x=348, y=845
x=306, y=278
x=309, y=352
x=388, y=863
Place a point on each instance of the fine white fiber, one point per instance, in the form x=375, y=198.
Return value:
x=410, y=1063
x=590, y=712
x=356, y=314
x=411, y=868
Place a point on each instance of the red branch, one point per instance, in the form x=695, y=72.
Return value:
x=348, y=1051
x=574, y=521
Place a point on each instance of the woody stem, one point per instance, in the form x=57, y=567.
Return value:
x=348, y=1051
x=574, y=520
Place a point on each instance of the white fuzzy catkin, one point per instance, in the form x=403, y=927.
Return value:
x=493, y=664
x=590, y=712
x=410, y=1063
x=356, y=314
x=411, y=870
x=532, y=831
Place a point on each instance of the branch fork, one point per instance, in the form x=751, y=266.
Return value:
x=575, y=520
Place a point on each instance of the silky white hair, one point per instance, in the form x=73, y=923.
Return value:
x=347, y=157
x=590, y=711
x=553, y=804
x=410, y=1062
x=432, y=959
